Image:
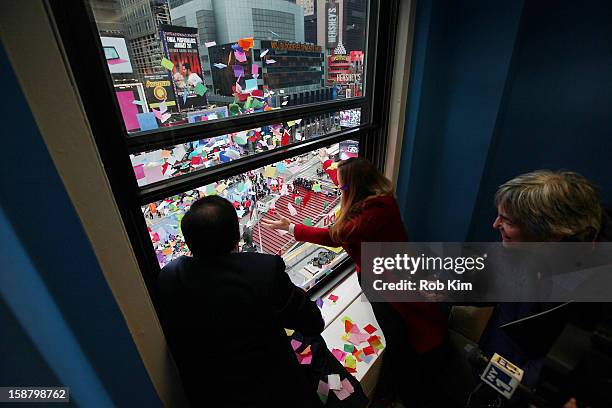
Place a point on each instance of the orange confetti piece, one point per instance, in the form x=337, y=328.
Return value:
x=246, y=43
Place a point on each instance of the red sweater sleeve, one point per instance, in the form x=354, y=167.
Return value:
x=315, y=235
x=361, y=229
x=333, y=174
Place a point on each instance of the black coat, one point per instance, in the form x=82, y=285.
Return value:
x=224, y=318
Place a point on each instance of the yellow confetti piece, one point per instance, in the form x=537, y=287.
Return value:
x=332, y=166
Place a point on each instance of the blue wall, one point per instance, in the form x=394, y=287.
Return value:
x=461, y=56
x=497, y=89
x=558, y=104
x=62, y=323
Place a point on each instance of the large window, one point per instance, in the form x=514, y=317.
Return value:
x=256, y=101
x=249, y=56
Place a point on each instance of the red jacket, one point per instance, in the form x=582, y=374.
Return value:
x=380, y=221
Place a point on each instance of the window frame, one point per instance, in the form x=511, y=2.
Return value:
x=77, y=31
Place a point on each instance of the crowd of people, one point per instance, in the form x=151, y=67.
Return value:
x=243, y=191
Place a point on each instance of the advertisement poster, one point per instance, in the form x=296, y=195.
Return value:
x=181, y=48
x=349, y=149
x=159, y=88
x=126, y=95
x=116, y=54
x=350, y=118
x=236, y=71
x=332, y=24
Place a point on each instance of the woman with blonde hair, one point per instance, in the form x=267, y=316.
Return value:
x=547, y=206
x=541, y=206
x=369, y=213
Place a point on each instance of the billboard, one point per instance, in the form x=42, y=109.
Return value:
x=332, y=24
x=181, y=48
x=116, y=54
x=131, y=103
x=350, y=118
x=349, y=148
x=159, y=88
x=308, y=6
x=236, y=71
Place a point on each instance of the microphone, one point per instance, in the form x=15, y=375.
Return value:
x=501, y=375
x=498, y=372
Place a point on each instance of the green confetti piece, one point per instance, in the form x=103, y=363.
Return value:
x=257, y=104
x=179, y=217
x=350, y=361
x=234, y=109
x=322, y=397
x=240, y=139
x=308, y=222
x=200, y=89
x=325, y=205
x=166, y=63
x=349, y=348
x=210, y=190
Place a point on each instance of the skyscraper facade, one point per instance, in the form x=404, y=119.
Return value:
x=141, y=19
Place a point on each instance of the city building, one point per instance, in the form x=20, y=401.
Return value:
x=141, y=19
x=310, y=20
x=327, y=23
x=107, y=14
x=234, y=19
x=354, y=24
x=226, y=21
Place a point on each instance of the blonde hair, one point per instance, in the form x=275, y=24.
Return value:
x=552, y=204
x=363, y=182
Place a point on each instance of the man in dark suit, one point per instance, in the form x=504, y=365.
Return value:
x=224, y=315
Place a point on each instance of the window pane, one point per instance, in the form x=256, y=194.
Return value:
x=300, y=188
x=241, y=55
x=176, y=160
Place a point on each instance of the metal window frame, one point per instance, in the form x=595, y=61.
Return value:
x=83, y=51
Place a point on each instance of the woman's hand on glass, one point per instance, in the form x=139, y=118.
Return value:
x=281, y=224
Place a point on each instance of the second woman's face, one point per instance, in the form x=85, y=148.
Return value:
x=510, y=230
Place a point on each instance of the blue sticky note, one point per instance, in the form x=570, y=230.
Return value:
x=250, y=84
x=147, y=121
x=223, y=158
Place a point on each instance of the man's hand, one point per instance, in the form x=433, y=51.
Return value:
x=282, y=224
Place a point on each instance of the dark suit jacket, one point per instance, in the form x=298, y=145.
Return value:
x=224, y=318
